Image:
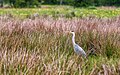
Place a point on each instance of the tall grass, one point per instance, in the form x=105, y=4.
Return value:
x=42, y=46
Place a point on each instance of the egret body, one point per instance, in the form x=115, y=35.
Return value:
x=78, y=50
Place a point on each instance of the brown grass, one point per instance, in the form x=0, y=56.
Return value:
x=41, y=46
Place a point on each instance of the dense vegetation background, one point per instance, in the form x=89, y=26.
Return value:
x=76, y=3
x=34, y=41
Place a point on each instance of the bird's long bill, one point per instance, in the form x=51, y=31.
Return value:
x=67, y=32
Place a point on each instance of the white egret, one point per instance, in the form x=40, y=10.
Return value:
x=78, y=50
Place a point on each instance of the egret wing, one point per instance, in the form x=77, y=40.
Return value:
x=79, y=50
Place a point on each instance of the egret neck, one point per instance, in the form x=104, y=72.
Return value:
x=73, y=38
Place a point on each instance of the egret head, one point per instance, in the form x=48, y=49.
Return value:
x=72, y=32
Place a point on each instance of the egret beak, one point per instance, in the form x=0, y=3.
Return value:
x=70, y=32
x=67, y=32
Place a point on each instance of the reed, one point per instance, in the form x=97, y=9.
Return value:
x=41, y=46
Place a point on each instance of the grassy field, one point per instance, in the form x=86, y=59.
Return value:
x=63, y=11
x=41, y=46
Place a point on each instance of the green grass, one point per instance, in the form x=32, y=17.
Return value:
x=66, y=11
